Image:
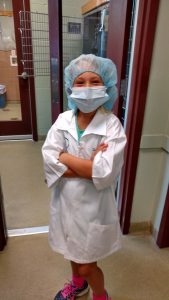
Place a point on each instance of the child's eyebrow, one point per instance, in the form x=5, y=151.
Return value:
x=95, y=77
x=91, y=78
x=79, y=78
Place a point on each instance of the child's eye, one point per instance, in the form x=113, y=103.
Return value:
x=95, y=82
x=80, y=82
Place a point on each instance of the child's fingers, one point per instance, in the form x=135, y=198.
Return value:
x=103, y=147
x=103, y=144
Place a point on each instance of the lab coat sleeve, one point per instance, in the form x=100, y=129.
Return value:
x=53, y=146
x=107, y=165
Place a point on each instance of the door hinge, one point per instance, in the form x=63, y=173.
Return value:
x=123, y=87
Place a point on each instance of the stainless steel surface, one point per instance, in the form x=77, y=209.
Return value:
x=28, y=231
x=15, y=137
x=24, y=75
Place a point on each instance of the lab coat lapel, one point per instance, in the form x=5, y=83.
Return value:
x=97, y=125
x=69, y=125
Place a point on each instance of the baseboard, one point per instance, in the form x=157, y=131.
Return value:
x=13, y=102
x=41, y=137
x=141, y=227
x=155, y=141
x=10, y=138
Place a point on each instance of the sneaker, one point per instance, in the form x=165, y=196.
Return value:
x=70, y=291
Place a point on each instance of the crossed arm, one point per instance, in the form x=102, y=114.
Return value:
x=79, y=167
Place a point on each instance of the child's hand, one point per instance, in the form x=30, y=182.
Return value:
x=102, y=147
x=62, y=157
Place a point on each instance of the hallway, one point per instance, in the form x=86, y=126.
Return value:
x=31, y=270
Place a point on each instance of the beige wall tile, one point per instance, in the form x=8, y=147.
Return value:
x=8, y=76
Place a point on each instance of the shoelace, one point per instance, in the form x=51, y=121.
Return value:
x=68, y=290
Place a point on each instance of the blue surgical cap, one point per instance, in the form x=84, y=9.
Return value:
x=103, y=67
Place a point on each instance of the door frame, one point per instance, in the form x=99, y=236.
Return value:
x=163, y=234
x=3, y=228
x=16, y=5
x=145, y=32
x=56, y=66
x=28, y=124
x=120, y=11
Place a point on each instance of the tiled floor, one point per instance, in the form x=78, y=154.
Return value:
x=11, y=112
x=26, y=196
x=30, y=270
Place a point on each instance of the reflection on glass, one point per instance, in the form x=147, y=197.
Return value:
x=10, y=106
x=83, y=33
x=95, y=32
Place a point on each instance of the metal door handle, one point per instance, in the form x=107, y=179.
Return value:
x=24, y=75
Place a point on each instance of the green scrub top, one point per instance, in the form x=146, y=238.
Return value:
x=79, y=131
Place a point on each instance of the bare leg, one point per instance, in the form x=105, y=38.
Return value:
x=94, y=276
x=75, y=268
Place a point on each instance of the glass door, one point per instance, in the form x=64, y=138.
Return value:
x=83, y=31
x=95, y=31
x=102, y=28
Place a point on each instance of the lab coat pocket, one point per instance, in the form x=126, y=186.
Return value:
x=102, y=240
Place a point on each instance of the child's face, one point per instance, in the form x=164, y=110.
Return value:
x=88, y=79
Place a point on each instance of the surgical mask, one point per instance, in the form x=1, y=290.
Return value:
x=88, y=99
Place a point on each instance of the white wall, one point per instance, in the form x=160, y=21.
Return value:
x=163, y=191
x=72, y=8
x=153, y=166
x=167, y=128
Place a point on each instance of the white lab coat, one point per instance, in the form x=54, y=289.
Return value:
x=84, y=224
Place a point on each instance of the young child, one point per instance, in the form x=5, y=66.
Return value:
x=83, y=155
